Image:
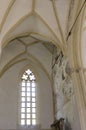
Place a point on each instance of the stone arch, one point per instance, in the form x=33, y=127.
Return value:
x=76, y=68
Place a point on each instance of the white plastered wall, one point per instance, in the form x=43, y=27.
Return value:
x=9, y=84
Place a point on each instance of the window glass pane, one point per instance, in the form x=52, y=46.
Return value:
x=22, y=109
x=23, y=99
x=33, y=110
x=28, y=110
x=23, y=88
x=33, y=99
x=33, y=94
x=28, y=115
x=22, y=104
x=33, y=122
x=28, y=94
x=28, y=89
x=32, y=77
x=23, y=83
x=33, y=84
x=33, y=89
x=28, y=71
x=28, y=104
x=28, y=99
x=28, y=84
x=33, y=115
x=22, y=115
x=24, y=77
x=22, y=122
x=23, y=93
x=28, y=122
x=33, y=105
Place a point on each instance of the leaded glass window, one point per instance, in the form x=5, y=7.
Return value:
x=28, y=98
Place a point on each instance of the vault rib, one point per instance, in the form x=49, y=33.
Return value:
x=58, y=22
x=6, y=14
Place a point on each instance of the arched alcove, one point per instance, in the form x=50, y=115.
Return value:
x=35, y=53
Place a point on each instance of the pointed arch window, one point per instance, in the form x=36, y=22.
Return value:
x=28, y=98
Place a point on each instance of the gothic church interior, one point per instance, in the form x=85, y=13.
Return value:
x=42, y=64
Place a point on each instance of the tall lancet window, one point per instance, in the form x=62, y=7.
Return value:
x=28, y=98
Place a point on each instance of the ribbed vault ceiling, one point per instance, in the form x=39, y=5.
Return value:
x=32, y=24
x=45, y=17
